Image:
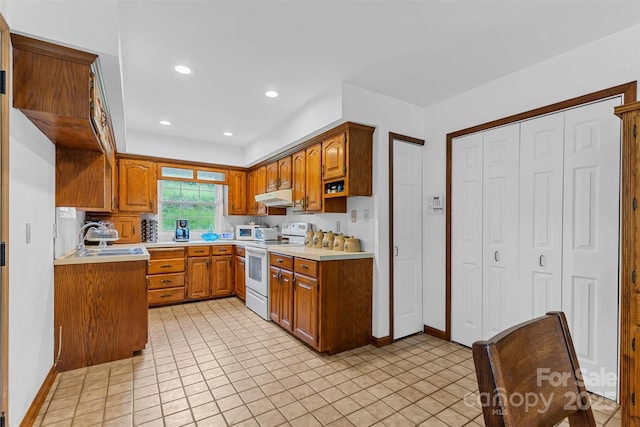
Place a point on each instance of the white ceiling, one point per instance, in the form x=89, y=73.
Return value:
x=418, y=51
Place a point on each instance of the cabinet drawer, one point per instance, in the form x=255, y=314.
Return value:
x=166, y=253
x=165, y=296
x=165, y=266
x=198, y=251
x=281, y=261
x=222, y=250
x=239, y=250
x=160, y=281
x=306, y=267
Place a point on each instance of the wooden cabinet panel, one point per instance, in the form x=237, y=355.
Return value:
x=239, y=250
x=252, y=190
x=313, y=187
x=261, y=187
x=221, y=275
x=333, y=157
x=281, y=261
x=100, y=312
x=84, y=180
x=237, y=193
x=165, y=266
x=128, y=227
x=284, y=173
x=239, y=279
x=166, y=253
x=160, y=281
x=222, y=250
x=198, y=282
x=137, y=190
x=165, y=296
x=305, y=314
x=274, y=294
x=272, y=176
x=198, y=251
x=306, y=266
x=299, y=178
x=286, y=300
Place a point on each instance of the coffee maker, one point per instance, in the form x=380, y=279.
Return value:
x=182, y=230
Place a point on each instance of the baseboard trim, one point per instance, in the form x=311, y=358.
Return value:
x=381, y=342
x=33, y=411
x=436, y=333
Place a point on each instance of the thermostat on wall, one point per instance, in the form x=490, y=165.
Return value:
x=436, y=205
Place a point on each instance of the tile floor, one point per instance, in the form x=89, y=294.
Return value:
x=215, y=363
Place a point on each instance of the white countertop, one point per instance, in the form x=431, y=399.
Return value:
x=171, y=243
x=318, y=254
x=71, y=258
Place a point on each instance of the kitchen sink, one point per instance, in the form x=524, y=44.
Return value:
x=110, y=252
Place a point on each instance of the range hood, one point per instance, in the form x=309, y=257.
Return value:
x=278, y=198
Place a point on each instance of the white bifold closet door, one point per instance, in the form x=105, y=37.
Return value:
x=500, y=228
x=591, y=231
x=466, y=240
x=541, y=186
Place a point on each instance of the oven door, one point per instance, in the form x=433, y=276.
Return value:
x=256, y=274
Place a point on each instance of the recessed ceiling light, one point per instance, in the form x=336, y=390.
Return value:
x=271, y=93
x=165, y=122
x=182, y=69
x=228, y=134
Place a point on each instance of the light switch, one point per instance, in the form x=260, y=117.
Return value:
x=353, y=215
x=365, y=215
x=28, y=232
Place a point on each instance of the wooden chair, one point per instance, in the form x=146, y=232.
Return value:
x=528, y=375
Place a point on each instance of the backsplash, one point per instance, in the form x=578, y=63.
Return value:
x=68, y=223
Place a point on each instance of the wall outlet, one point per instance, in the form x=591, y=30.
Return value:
x=337, y=226
x=28, y=232
x=353, y=215
x=365, y=215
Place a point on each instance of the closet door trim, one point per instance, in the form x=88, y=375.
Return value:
x=627, y=90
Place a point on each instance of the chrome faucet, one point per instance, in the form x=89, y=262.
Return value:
x=80, y=245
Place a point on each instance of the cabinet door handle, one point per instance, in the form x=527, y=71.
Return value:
x=166, y=266
x=305, y=266
x=150, y=204
x=133, y=229
x=279, y=260
x=165, y=295
x=496, y=256
x=541, y=260
x=166, y=281
x=198, y=251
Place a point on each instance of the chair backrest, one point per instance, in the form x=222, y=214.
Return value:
x=528, y=375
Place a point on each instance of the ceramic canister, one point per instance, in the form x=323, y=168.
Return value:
x=317, y=239
x=308, y=238
x=327, y=241
x=351, y=244
x=338, y=243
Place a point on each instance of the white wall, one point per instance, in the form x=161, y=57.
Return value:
x=32, y=201
x=387, y=115
x=607, y=62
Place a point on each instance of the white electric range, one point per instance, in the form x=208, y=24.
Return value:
x=257, y=265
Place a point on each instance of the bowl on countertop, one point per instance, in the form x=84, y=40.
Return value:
x=210, y=237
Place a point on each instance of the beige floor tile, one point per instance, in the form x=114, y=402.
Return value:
x=205, y=411
x=305, y=421
x=271, y=419
x=293, y=410
x=89, y=419
x=178, y=419
x=327, y=414
x=237, y=415
x=361, y=418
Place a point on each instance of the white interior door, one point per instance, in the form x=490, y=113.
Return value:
x=500, y=228
x=591, y=243
x=541, y=178
x=407, y=239
x=466, y=239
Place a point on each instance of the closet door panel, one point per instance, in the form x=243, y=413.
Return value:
x=466, y=240
x=591, y=242
x=500, y=228
x=541, y=166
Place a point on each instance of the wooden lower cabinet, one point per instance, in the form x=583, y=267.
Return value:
x=209, y=272
x=165, y=276
x=281, y=290
x=239, y=279
x=100, y=312
x=221, y=275
x=330, y=302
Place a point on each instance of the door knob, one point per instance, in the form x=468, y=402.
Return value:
x=395, y=251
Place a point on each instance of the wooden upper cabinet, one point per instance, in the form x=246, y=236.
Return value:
x=60, y=90
x=237, y=201
x=333, y=156
x=252, y=190
x=279, y=174
x=137, y=186
x=261, y=187
x=299, y=178
x=313, y=187
x=272, y=176
x=284, y=173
